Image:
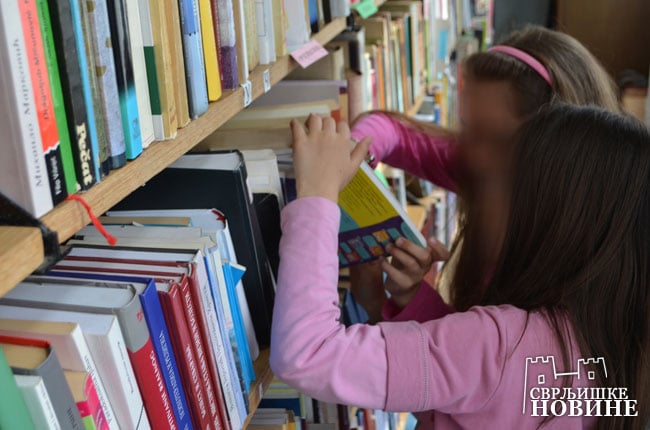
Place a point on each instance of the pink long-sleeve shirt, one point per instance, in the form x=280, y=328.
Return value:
x=465, y=370
x=428, y=157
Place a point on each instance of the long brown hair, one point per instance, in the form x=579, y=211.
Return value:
x=577, y=241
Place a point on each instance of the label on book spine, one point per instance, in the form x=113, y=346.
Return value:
x=266, y=79
x=248, y=93
x=309, y=53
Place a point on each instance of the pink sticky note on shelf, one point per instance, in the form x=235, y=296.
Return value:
x=309, y=53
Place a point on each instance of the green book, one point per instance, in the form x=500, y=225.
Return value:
x=65, y=146
x=13, y=411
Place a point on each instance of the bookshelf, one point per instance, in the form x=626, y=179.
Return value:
x=264, y=376
x=69, y=217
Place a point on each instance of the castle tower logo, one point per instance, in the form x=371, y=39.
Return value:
x=547, y=393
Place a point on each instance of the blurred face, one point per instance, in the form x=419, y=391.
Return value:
x=488, y=123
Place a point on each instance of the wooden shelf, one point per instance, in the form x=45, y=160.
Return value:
x=21, y=252
x=264, y=376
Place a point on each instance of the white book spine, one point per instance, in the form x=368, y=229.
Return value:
x=339, y=8
x=38, y=402
x=147, y=41
x=140, y=72
x=265, y=35
x=23, y=174
x=89, y=366
x=115, y=368
x=217, y=347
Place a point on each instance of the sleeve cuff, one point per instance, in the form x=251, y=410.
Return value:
x=427, y=305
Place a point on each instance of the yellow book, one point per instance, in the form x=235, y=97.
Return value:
x=280, y=28
x=177, y=62
x=212, y=75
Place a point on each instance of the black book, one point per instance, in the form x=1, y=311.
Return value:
x=218, y=180
x=267, y=208
x=73, y=95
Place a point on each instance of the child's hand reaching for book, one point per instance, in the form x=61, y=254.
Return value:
x=322, y=159
x=408, y=266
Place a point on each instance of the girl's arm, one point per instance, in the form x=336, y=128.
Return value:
x=426, y=305
x=452, y=364
x=400, y=145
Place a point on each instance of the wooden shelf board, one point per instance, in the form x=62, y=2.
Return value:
x=69, y=217
x=264, y=376
x=21, y=252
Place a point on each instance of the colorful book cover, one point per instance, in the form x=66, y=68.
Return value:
x=23, y=177
x=43, y=99
x=371, y=218
x=210, y=59
x=73, y=93
x=85, y=395
x=87, y=88
x=194, y=62
x=125, y=78
x=102, y=48
x=51, y=62
x=225, y=24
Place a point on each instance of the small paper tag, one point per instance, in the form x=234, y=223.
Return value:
x=266, y=78
x=309, y=53
x=248, y=93
x=366, y=8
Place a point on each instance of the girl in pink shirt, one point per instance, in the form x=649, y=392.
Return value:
x=561, y=338
x=502, y=88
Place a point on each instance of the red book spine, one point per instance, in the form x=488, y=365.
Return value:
x=152, y=387
x=211, y=375
x=173, y=306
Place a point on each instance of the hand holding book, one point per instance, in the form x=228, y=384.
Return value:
x=323, y=162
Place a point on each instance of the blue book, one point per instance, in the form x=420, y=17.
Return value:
x=241, y=407
x=233, y=274
x=85, y=84
x=197, y=91
x=288, y=403
x=153, y=314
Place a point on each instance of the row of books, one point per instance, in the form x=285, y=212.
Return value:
x=88, y=86
x=283, y=408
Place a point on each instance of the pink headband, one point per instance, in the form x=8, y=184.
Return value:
x=525, y=58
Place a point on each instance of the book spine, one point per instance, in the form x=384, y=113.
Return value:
x=160, y=337
x=38, y=402
x=29, y=186
x=250, y=26
x=210, y=59
x=145, y=366
x=193, y=54
x=225, y=25
x=113, y=364
x=43, y=99
x=72, y=87
x=125, y=80
x=57, y=388
x=107, y=81
x=173, y=306
x=277, y=6
x=90, y=408
x=221, y=346
x=157, y=52
x=264, y=33
x=13, y=410
x=200, y=337
x=86, y=86
x=139, y=72
x=175, y=41
x=242, y=43
x=211, y=334
x=70, y=177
